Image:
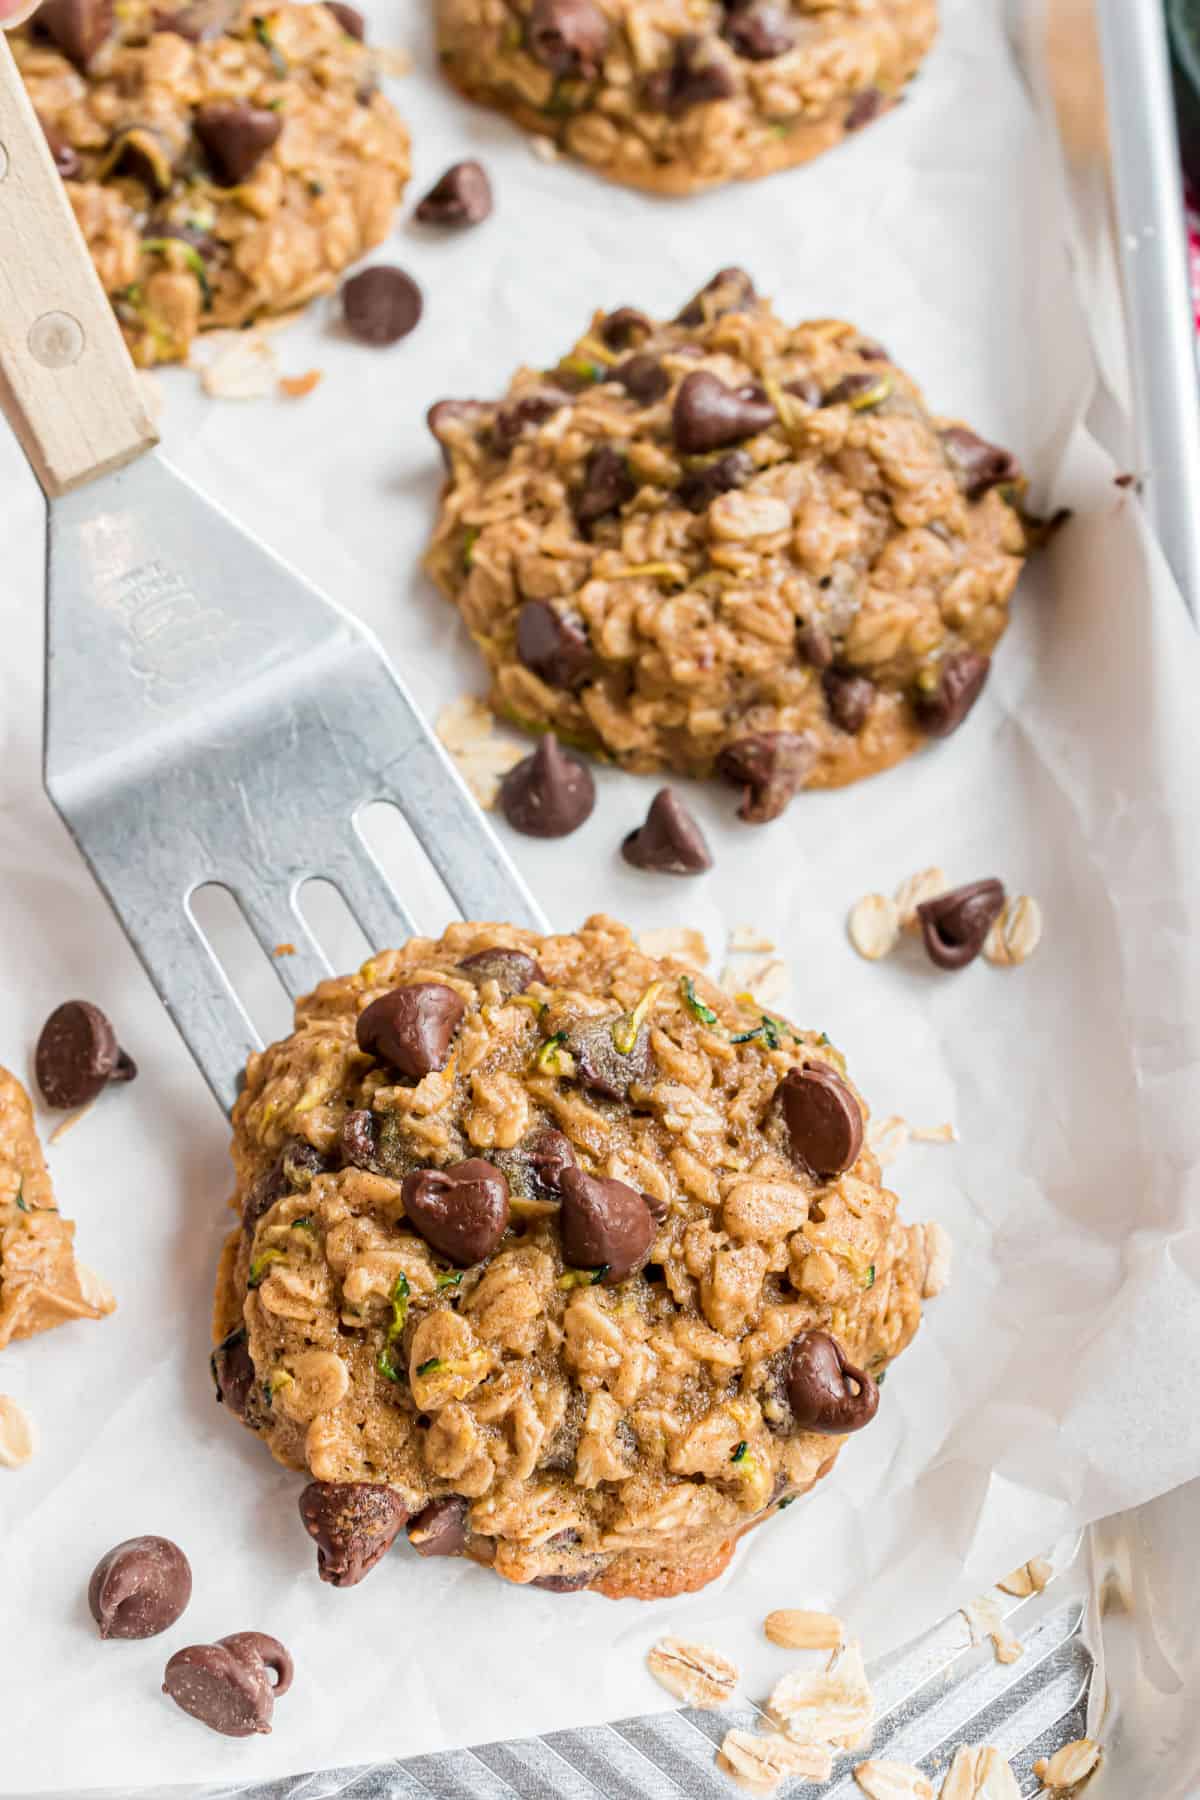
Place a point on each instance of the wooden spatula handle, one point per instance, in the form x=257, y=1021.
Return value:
x=67, y=385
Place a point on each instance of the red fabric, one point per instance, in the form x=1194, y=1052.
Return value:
x=1193, y=222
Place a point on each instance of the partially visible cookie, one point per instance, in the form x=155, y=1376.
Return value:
x=554, y=1256
x=725, y=545
x=679, y=95
x=41, y=1284
x=224, y=161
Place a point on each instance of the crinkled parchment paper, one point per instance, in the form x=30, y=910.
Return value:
x=1055, y=1380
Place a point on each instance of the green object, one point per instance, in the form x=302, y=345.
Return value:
x=260, y=1265
x=1183, y=25
x=427, y=1368
x=694, y=1004
x=400, y=1292
x=739, y=1454
x=449, y=1280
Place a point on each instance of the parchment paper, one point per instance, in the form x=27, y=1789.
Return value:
x=1055, y=1380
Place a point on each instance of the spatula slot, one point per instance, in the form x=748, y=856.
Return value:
x=257, y=983
x=333, y=925
x=391, y=840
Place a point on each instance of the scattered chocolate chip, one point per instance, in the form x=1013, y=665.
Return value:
x=549, y=1157
x=349, y=18
x=759, y=32
x=233, y=1371
x=670, y=842
x=140, y=1588
x=568, y=37
x=849, y=698
x=954, y=926
x=827, y=1393
x=554, y=645
x=412, y=1027
x=960, y=683
x=814, y=646
x=359, y=1139
x=78, y=1055
x=607, y=486
x=622, y=329
x=770, y=767
x=977, y=464
x=851, y=387
x=381, y=305
x=512, y=970
x=226, y=1685
x=548, y=794
x=564, y=1584
x=730, y=290
x=440, y=1529
x=236, y=136
x=463, y=196
x=200, y=21
x=700, y=487
x=353, y=1523
x=824, y=1120
x=462, y=1211
x=600, y=1065
x=863, y=108
x=708, y=415
x=531, y=409
x=604, y=1225
x=806, y=388
x=643, y=378
x=76, y=27
x=66, y=157
x=691, y=78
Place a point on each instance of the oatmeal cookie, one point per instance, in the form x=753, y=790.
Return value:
x=556, y=1256
x=680, y=95
x=41, y=1284
x=725, y=545
x=223, y=162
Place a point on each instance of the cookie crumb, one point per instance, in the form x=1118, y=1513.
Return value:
x=933, y=1134
x=795, y=1630
x=244, y=368
x=675, y=940
x=284, y=950
x=1070, y=1766
x=979, y=1772
x=695, y=1673
x=1030, y=1578
x=16, y=1434
x=1016, y=934
x=892, y=1781
x=296, y=387
x=833, y=1705
x=874, y=926
x=984, y=1620
x=937, y=1247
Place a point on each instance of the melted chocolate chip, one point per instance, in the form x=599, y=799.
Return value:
x=412, y=1027
x=760, y=32
x=814, y=646
x=512, y=970
x=864, y=108
x=349, y=18
x=605, y=1225
x=359, y=1139
x=806, y=388
x=226, y=1685
x=959, y=685
x=607, y=485
x=531, y=409
x=824, y=1121
x=462, y=1211
x=199, y=22
x=977, y=464
x=670, y=842
x=849, y=698
x=78, y=1055
x=548, y=794
x=827, y=1393
x=462, y=196
x=568, y=37
x=851, y=387
x=643, y=378
x=564, y=1584
x=954, y=926
x=549, y=1157
x=443, y=413
x=76, y=27
x=769, y=767
x=730, y=290
x=600, y=1065
x=622, y=329
x=708, y=415
x=236, y=136
x=700, y=487
x=693, y=77
x=554, y=644
x=140, y=1588
x=353, y=1523
x=440, y=1529
x=381, y=305
x=233, y=1372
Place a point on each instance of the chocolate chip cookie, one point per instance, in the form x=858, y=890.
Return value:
x=728, y=546
x=224, y=162
x=679, y=95
x=553, y=1256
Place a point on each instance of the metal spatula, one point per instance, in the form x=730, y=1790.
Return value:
x=210, y=717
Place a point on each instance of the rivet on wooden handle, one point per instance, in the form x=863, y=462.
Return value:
x=67, y=385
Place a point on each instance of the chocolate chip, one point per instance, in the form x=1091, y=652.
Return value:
x=140, y=1588
x=759, y=33
x=622, y=329
x=643, y=377
x=66, y=157
x=381, y=305
x=462, y=196
x=604, y=1225
x=692, y=77
x=354, y=1525
x=806, y=388
x=824, y=1120
x=200, y=21
x=863, y=108
x=512, y=970
x=607, y=485
x=564, y=1584
x=349, y=18
x=670, y=842
x=359, y=1139
x=730, y=290
x=291, y=1173
x=769, y=767
x=600, y=1065
x=814, y=646
x=707, y=414
x=850, y=388
x=554, y=644
x=78, y=1055
x=226, y=1685
x=412, y=1027
x=977, y=464
x=440, y=1529
x=444, y=412
x=568, y=37
x=548, y=794
x=76, y=27
x=236, y=136
x=870, y=351
x=233, y=1371
x=827, y=1393
x=549, y=1157
x=700, y=487
x=959, y=685
x=849, y=698
x=462, y=1211
x=954, y=926
x=531, y=409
